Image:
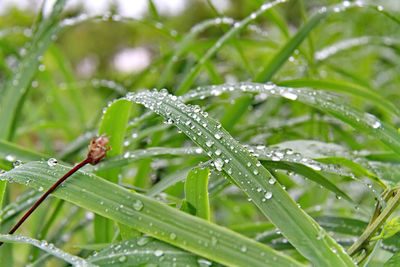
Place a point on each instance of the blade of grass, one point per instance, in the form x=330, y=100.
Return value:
x=149, y=216
x=196, y=192
x=238, y=27
x=345, y=87
x=113, y=124
x=179, y=50
x=17, y=86
x=143, y=251
x=49, y=248
x=321, y=100
x=228, y=155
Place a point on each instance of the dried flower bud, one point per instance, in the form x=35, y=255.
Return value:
x=98, y=149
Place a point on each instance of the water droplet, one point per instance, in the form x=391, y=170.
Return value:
x=138, y=205
x=376, y=125
x=346, y=3
x=122, y=258
x=10, y=158
x=243, y=249
x=217, y=152
x=255, y=172
x=218, y=136
x=289, y=95
x=271, y=181
x=218, y=163
x=209, y=143
x=52, y=162
x=268, y=195
x=40, y=189
x=158, y=253
x=248, y=164
x=172, y=236
x=17, y=164
x=142, y=241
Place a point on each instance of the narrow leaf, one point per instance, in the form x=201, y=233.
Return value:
x=196, y=191
x=149, y=216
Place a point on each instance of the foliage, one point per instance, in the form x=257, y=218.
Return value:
x=270, y=137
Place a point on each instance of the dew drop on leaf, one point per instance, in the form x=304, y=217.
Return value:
x=138, y=205
x=52, y=162
x=122, y=258
x=142, y=241
x=158, y=253
x=172, y=236
x=268, y=195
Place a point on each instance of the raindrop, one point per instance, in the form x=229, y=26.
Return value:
x=158, y=253
x=40, y=189
x=271, y=181
x=17, y=164
x=138, y=205
x=122, y=258
x=172, y=236
x=255, y=172
x=218, y=136
x=10, y=158
x=52, y=162
x=217, y=152
x=209, y=143
x=268, y=195
x=243, y=249
x=218, y=163
x=289, y=95
x=142, y=241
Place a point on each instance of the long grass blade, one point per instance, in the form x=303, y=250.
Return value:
x=149, y=216
x=247, y=172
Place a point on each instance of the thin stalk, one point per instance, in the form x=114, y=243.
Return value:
x=45, y=195
x=373, y=227
x=97, y=151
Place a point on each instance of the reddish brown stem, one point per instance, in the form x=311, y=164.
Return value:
x=97, y=151
x=48, y=192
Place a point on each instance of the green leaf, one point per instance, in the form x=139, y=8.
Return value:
x=196, y=191
x=280, y=58
x=234, y=31
x=16, y=87
x=113, y=125
x=394, y=261
x=356, y=168
x=345, y=87
x=322, y=100
x=49, y=248
x=18, y=84
x=143, y=251
x=228, y=155
x=11, y=152
x=234, y=112
x=390, y=228
x=149, y=216
x=188, y=38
